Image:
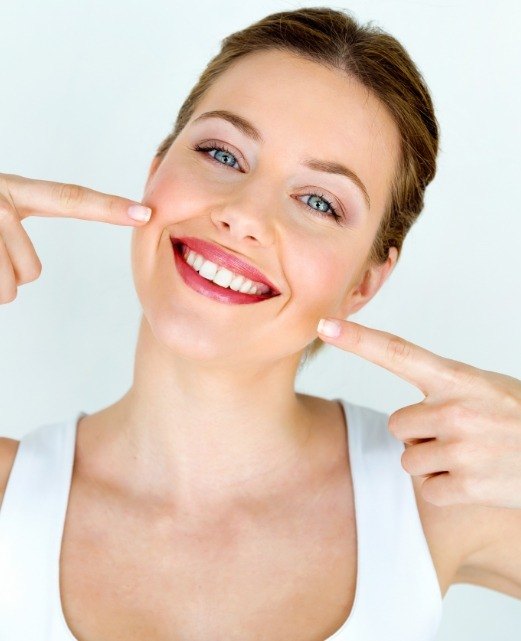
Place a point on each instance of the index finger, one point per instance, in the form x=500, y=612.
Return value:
x=32, y=197
x=418, y=366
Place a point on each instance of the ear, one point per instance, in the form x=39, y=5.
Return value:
x=373, y=277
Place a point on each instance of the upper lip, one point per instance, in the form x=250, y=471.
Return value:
x=220, y=257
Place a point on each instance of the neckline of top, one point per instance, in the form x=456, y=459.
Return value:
x=349, y=421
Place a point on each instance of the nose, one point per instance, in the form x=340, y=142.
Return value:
x=248, y=216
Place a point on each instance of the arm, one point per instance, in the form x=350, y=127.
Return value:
x=493, y=557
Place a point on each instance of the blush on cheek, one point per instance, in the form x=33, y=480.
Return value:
x=323, y=283
x=176, y=201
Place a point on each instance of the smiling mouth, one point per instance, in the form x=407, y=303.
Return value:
x=204, y=285
x=219, y=258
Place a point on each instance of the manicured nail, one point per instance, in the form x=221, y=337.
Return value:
x=329, y=328
x=138, y=212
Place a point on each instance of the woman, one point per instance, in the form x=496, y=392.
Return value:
x=212, y=501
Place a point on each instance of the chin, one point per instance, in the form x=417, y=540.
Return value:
x=181, y=337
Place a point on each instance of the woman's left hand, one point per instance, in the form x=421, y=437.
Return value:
x=464, y=437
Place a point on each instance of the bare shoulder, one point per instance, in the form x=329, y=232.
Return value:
x=8, y=449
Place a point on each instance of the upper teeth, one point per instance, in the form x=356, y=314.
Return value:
x=222, y=276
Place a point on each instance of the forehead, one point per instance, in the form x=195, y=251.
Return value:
x=310, y=109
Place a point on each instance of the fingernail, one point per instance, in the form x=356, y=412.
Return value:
x=138, y=212
x=328, y=328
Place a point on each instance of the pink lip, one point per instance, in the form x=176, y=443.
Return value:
x=206, y=287
x=220, y=257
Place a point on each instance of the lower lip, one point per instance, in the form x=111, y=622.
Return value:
x=207, y=287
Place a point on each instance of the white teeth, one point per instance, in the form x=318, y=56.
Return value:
x=222, y=276
x=198, y=261
x=208, y=270
x=246, y=286
x=236, y=283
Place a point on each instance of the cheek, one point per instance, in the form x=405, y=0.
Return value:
x=175, y=195
x=173, y=198
x=319, y=278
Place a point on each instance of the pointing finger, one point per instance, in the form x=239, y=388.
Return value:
x=414, y=364
x=31, y=197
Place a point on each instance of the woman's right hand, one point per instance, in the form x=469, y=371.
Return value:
x=21, y=197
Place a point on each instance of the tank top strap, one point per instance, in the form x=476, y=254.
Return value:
x=32, y=517
x=397, y=597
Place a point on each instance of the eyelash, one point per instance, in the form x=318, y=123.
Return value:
x=332, y=214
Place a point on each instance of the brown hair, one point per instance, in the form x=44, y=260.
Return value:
x=377, y=60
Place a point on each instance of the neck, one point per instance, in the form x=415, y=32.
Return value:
x=196, y=434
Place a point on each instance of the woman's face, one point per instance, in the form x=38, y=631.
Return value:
x=261, y=202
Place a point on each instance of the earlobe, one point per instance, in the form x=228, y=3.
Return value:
x=372, y=280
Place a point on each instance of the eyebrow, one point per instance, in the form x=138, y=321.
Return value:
x=248, y=129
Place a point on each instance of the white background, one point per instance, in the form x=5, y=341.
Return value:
x=89, y=89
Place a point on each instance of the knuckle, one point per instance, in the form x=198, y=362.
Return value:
x=37, y=270
x=9, y=297
x=356, y=336
x=511, y=400
x=69, y=195
x=398, y=349
x=7, y=214
x=460, y=453
x=32, y=273
x=406, y=461
x=113, y=205
x=469, y=486
x=457, y=413
x=431, y=492
x=504, y=389
x=393, y=423
x=460, y=374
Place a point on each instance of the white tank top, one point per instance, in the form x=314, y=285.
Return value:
x=397, y=596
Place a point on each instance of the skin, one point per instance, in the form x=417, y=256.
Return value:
x=212, y=416
x=189, y=436
x=462, y=450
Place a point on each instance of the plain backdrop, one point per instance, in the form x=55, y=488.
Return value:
x=89, y=89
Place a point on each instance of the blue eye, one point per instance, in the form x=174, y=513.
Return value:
x=328, y=206
x=220, y=150
x=328, y=212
